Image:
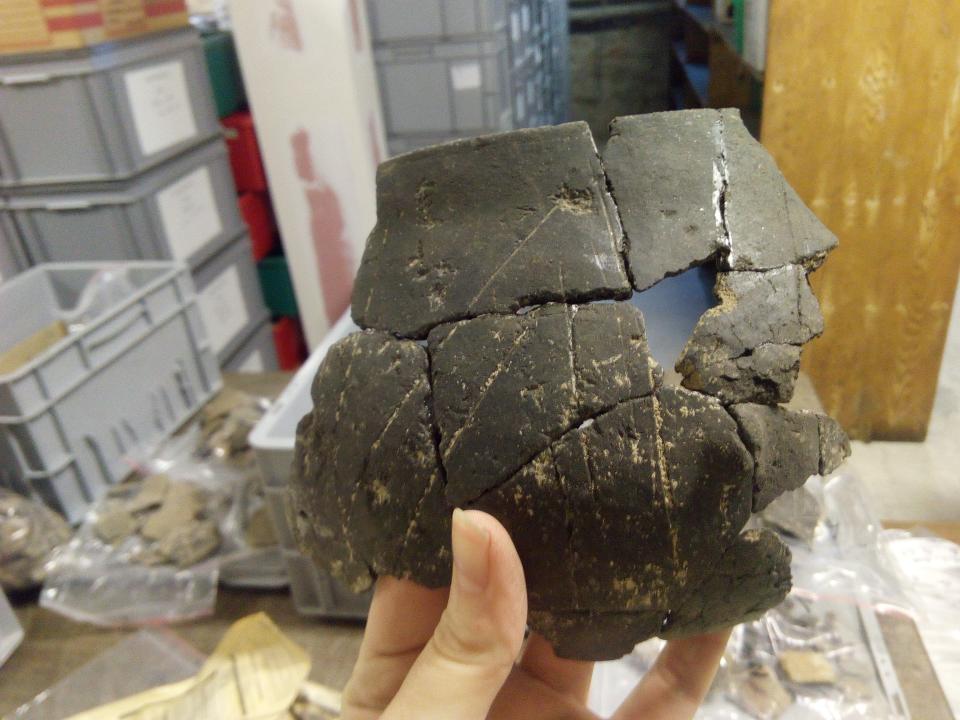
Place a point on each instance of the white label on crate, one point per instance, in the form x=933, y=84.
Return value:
x=525, y=14
x=254, y=363
x=466, y=76
x=223, y=308
x=188, y=213
x=160, y=105
x=515, y=26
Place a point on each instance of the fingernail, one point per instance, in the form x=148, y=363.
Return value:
x=471, y=553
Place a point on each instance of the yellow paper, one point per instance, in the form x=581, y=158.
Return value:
x=255, y=673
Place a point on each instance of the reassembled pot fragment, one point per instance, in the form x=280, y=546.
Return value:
x=532, y=394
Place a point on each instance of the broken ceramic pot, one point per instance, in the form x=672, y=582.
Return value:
x=499, y=371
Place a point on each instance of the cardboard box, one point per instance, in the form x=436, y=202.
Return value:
x=28, y=26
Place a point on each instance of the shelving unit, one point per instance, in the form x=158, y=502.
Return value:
x=707, y=70
x=695, y=87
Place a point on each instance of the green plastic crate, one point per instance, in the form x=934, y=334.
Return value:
x=277, y=286
x=224, y=70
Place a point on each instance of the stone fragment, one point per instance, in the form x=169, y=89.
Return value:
x=151, y=556
x=806, y=667
x=365, y=468
x=507, y=385
x=747, y=348
x=115, y=524
x=490, y=224
x=787, y=447
x=664, y=173
x=151, y=493
x=768, y=225
x=182, y=503
x=190, y=543
x=758, y=691
x=226, y=422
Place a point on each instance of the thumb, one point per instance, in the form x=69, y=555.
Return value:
x=478, y=638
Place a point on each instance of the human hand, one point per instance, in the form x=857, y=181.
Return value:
x=456, y=653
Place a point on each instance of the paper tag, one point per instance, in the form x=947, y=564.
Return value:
x=160, y=105
x=515, y=26
x=188, y=213
x=223, y=308
x=525, y=14
x=466, y=76
x=254, y=363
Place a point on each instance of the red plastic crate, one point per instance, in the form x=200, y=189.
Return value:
x=245, y=160
x=257, y=214
x=288, y=339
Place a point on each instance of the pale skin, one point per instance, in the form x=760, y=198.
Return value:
x=458, y=653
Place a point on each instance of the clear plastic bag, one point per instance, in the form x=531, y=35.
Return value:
x=29, y=532
x=148, y=658
x=118, y=578
x=136, y=561
x=106, y=289
x=930, y=568
x=813, y=657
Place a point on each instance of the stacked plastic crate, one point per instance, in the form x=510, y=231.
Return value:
x=449, y=69
x=257, y=210
x=285, y=334
x=113, y=151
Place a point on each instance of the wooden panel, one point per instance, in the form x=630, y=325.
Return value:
x=862, y=112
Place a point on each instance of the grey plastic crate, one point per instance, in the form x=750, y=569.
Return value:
x=105, y=112
x=256, y=354
x=13, y=259
x=314, y=591
x=230, y=298
x=71, y=418
x=445, y=87
x=185, y=209
x=404, y=20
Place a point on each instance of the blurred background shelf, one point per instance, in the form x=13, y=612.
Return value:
x=708, y=68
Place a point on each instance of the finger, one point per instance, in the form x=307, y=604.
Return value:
x=524, y=696
x=479, y=635
x=567, y=677
x=402, y=617
x=678, y=680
